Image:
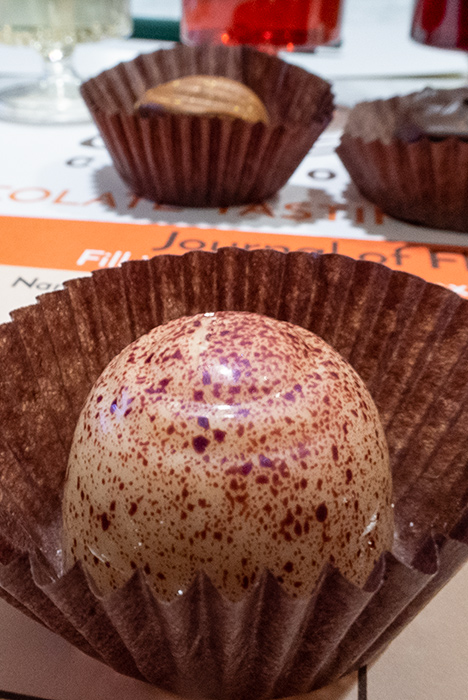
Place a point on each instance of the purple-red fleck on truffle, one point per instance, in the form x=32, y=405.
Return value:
x=233, y=443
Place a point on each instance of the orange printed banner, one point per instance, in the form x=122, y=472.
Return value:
x=88, y=245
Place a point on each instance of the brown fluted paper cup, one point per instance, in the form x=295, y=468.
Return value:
x=408, y=340
x=201, y=161
x=410, y=175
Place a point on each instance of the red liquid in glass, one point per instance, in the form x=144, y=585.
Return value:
x=277, y=23
x=441, y=23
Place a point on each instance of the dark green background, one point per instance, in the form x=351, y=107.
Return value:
x=165, y=29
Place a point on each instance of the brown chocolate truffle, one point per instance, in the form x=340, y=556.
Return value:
x=409, y=155
x=436, y=114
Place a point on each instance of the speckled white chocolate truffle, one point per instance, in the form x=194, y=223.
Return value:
x=229, y=442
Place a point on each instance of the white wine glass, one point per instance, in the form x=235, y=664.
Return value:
x=54, y=27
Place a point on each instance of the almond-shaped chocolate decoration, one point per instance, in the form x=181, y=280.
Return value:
x=204, y=95
x=229, y=442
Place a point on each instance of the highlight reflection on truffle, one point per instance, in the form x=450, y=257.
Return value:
x=228, y=442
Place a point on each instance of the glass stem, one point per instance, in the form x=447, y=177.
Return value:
x=59, y=72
